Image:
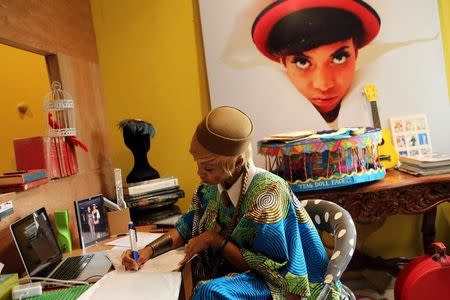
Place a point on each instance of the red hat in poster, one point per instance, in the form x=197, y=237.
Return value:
x=309, y=23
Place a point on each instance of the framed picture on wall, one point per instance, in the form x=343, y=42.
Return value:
x=411, y=135
x=277, y=90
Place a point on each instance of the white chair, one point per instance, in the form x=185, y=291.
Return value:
x=332, y=218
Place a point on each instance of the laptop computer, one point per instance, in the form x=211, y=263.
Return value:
x=41, y=256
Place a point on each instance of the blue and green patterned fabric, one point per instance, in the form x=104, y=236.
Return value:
x=275, y=235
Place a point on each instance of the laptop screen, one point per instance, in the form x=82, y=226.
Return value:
x=91, y=220
x=36, y=241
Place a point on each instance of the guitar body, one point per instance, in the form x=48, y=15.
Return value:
x=388, y=154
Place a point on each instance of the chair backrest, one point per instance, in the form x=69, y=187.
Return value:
x=332, y=218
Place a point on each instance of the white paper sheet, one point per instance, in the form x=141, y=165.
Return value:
x=143, y=238
x=166, y=262
x=135, y=285
x=119, y=248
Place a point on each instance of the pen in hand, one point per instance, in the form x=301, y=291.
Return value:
x=133, y=241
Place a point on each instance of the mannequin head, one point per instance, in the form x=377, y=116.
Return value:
x=136, y=136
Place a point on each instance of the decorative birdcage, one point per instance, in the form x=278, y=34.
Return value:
x=60, y=109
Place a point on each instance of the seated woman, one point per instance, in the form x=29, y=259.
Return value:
x=247, y=233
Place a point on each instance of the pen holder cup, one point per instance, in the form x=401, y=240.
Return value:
x=118, y=221
x=63, y=232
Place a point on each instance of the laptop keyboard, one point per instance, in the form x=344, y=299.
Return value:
x=72, y=267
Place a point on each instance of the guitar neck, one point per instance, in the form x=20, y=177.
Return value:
x=375, y=116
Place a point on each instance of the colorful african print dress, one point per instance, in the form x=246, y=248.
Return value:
x=275, y=235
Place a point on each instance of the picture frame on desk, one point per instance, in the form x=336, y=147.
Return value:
x=91, y=218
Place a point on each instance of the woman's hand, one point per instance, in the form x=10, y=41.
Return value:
x=208, y=239
x=130, y=264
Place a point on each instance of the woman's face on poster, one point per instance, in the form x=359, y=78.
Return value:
x=323, y=74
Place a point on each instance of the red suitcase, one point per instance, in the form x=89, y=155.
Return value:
x=426, y=277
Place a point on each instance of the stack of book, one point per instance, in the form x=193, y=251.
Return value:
x=429, y=164
x=55, y=154
x=152, y=200
x=17, y=181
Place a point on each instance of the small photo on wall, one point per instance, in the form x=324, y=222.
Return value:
x=398, y=126
x=403, y=153
x=410, y=125
x=412, y=140
x=420, y=123
x=410, y=135
x=413, y=152
x=401, y=141
x=424, y=151
x=423, y=139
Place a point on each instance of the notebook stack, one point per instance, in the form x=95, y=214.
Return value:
x=428, y=164
x=153, y=200
x=17, y=181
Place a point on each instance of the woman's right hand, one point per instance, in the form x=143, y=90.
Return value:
x=130, y=264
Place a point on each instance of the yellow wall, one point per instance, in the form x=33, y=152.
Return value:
x=152, y=67
x=152, y=63
x=24, y=81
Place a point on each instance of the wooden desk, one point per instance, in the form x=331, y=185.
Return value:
x=397, y=193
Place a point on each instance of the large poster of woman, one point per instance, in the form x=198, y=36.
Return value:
x=302, y=64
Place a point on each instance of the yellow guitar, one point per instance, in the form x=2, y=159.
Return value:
x=388, y=155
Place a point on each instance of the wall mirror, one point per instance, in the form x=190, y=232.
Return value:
x=25, y=82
